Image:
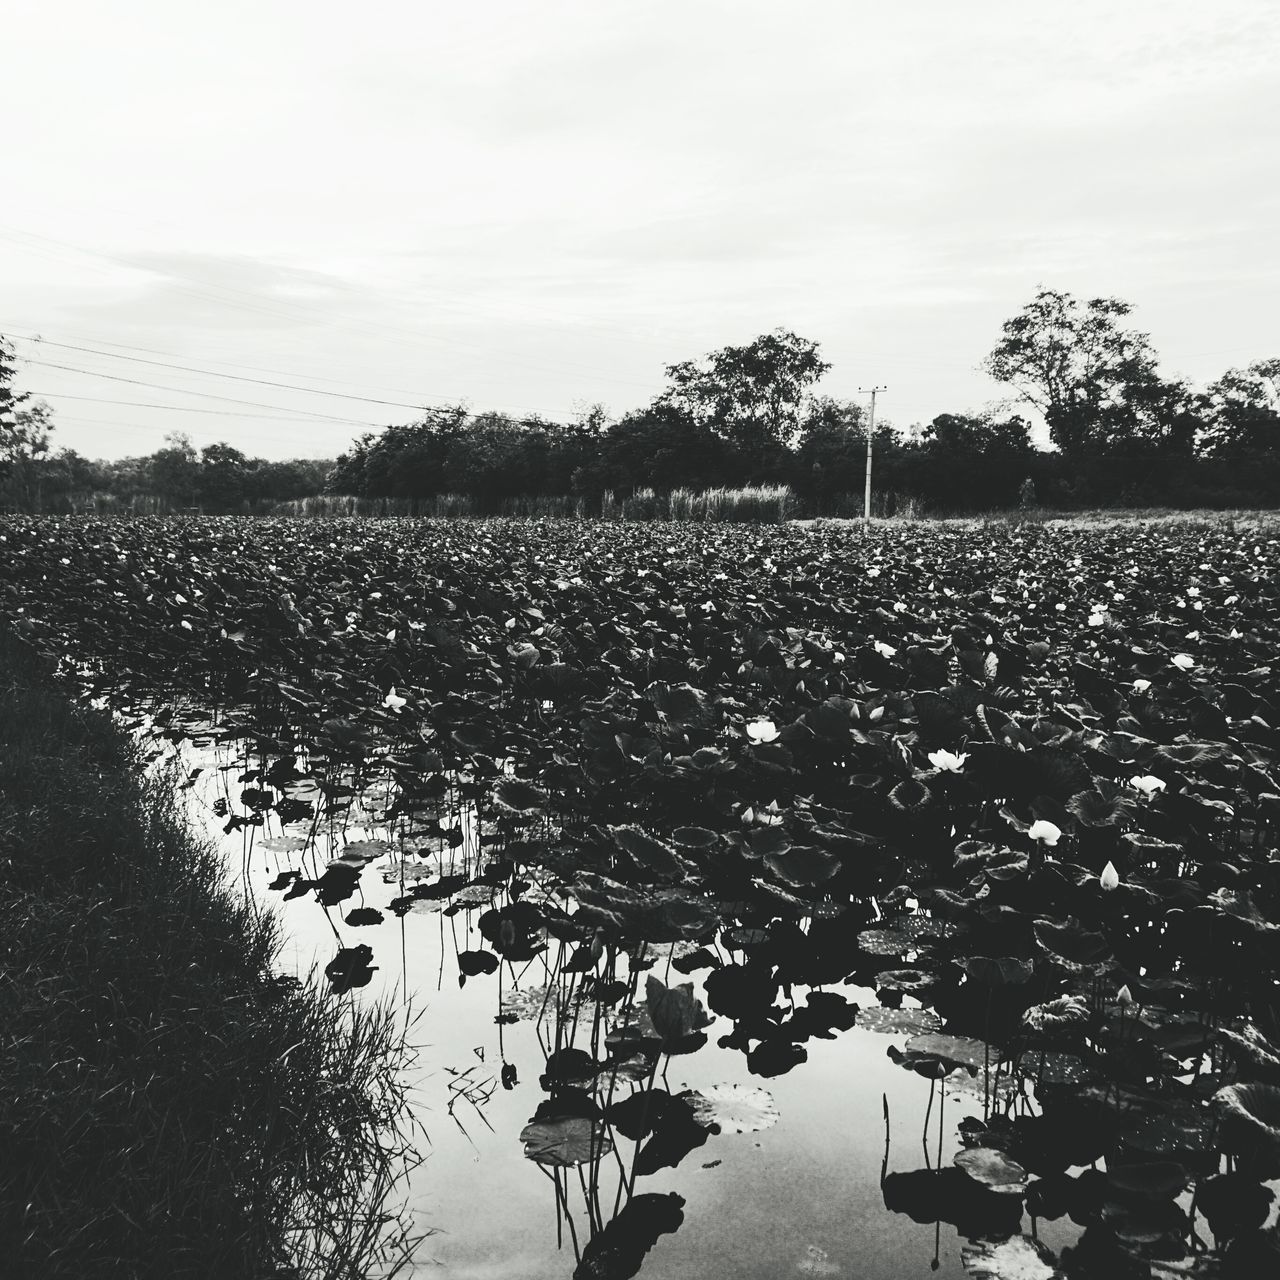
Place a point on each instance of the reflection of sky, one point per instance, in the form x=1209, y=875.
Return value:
x=800, y=1198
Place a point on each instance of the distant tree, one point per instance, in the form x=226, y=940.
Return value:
x=660, y=448
x=224, y=477
x=1096, y=383
x=174, y=471
x=24, y=440
x=282, y=481
x=753, y=396
x=24, y=430
x=978, y=435
x=1240, y=412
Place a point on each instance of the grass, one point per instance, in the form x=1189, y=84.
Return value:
x=767, y=504
x=170, y=1105
x=1250, y=521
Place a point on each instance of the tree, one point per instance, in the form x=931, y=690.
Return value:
x=15, y=427
x=24, y=440
x=224, y=477
x=1240, y=412
x=174, y=471
x=752, y=396
x=1095, y=383
x=980, y=435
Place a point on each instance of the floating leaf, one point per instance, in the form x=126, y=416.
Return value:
x=283, y=844
x=1017, y=1258
x=908, y=981
x=736, y=1108
x=568, y=1141
x=892, y=1022
x=366, y=850
x=955, y=1051
x=992, y=1168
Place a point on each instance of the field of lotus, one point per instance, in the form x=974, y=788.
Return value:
x=1004, y=800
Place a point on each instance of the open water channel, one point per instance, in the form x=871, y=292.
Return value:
x=813, y=1170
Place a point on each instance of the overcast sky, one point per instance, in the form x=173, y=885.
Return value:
x=536, y=206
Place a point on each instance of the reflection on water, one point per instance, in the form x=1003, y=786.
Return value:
x=585, y=1104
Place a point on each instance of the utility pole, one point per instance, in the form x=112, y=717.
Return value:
x=871, y=431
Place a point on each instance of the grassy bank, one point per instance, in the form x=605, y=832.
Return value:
x=169, y=1104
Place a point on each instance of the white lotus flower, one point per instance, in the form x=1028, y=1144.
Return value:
x=762, y=731
x=393, y=701
x=947, y=761
x=1046, y=832
x=1141, y=686
x=885, y=650
x=1183, y=661
x=1147, y=784
x=1110, y=877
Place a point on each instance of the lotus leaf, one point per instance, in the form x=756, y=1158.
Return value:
x=735, y=1108
x=993, y=1169
x=1015, y=1258
x=568, y=1141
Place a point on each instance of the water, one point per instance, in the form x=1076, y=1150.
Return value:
x=800, y=1197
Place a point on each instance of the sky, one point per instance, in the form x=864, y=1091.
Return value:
x=536, y=207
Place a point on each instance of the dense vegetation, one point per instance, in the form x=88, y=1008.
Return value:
x=1122, y=432
x=1017, y=784
x=170, y=1104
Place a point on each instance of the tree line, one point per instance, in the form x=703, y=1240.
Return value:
x=1121, y=431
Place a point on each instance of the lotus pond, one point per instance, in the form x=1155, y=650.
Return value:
x=779, y=901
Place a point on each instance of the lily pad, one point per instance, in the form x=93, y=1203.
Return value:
x=568, y=1141
x=283, y=844
x=993, y=1169
x=894, y=1022
x=955, y=1051
x=1017, y=1258
x=736, y=1108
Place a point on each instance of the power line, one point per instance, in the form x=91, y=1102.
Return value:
x=212, y=373
x=530, y=420
x=180, y=408
x=183, y=391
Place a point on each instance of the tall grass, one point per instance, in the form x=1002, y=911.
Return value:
x=170, y=1105
x=524, y=506
x=753, y=504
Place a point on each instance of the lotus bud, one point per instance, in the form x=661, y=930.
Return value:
x=1124, y=997
x=1110, y=877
